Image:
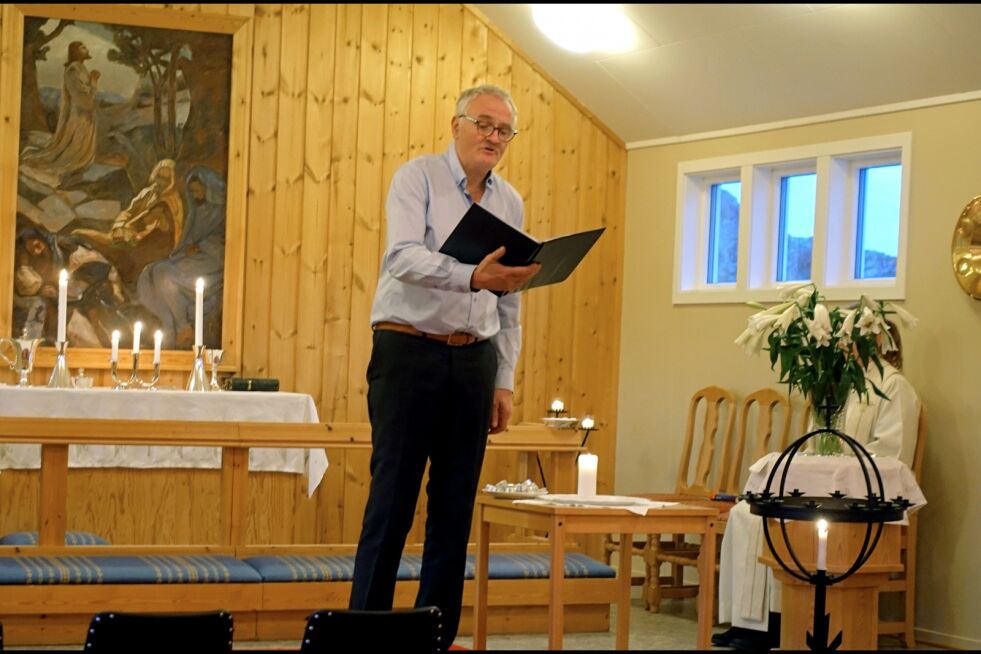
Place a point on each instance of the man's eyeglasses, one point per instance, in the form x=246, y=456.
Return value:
x=504, y=132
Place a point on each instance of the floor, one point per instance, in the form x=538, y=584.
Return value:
x=671, y=629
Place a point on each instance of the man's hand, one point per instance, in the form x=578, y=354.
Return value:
x=494, y=276
x=501, y=412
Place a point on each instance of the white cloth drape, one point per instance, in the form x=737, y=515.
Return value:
x=17, y=402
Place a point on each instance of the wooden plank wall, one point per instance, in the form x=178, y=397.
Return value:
x=341, y=95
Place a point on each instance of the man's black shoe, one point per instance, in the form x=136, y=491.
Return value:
x=725, y=638
x=753, y=641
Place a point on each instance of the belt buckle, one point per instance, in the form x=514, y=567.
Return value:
x=460, y=338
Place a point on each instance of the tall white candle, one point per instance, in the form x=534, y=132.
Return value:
x=557, y=405
x=199, y=312
x=157, y=339
x=62, y=303
x=115, y=345
x=587, y=475
x=822, y=554
x=137, y=330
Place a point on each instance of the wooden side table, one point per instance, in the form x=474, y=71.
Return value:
x=561, y=520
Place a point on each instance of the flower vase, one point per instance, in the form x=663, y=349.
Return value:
x=828, y=417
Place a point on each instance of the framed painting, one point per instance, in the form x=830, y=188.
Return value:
x=124, y=134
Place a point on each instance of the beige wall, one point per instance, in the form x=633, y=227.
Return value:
x=669, y=351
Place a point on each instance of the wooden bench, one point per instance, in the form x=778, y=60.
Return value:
x=263, y=609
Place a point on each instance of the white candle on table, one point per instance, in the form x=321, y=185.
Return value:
x=199, y=312
x=822, y=555
x=587, y=475
x=115, y=346
x=557, y=405
x=62, y=303
x=157, y=339
x=587, y=423
x=137, y=330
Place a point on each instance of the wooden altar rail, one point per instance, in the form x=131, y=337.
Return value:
x=235, y=438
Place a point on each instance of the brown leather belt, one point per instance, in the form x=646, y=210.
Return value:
x=455, y=339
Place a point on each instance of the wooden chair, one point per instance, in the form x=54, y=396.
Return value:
x=418, y=630
x=767, y=436
x=693, y=485
x=904, y=582
x=112, y=632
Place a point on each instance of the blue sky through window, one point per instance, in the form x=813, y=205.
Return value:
x=878, y=221
x=796, y=231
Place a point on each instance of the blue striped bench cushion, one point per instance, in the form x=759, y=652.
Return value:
x=148, y=569
x=285, y=568
x=71, y=538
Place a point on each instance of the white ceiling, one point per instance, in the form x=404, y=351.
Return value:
x=706, y=67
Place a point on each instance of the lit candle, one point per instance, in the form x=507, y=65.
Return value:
x=137, y=329
x=587, y=423
x=822, y=557
x=199, y=312
x=587, y=475
x=557, y=406
x=62, y=303
x=115, y=346
x=157, y=339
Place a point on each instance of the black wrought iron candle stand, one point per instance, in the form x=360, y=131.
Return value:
x=873, y=510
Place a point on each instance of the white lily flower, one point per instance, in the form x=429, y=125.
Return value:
x=793, y=290
x=787, y=317
x=845, y=331
x=868, y=324
x=820, y=327
x=763, y=323
x=751, y=340
x=905, y=317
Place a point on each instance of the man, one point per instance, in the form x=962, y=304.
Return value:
x=441, y=373
x=749, y=598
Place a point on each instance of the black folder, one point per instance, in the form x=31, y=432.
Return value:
x=480, y=232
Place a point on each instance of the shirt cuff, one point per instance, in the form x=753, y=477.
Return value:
x=460, y=277
x=505, y=378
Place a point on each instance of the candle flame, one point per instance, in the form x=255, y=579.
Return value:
x=199, y=284
x=63, y=276
x=822, y=527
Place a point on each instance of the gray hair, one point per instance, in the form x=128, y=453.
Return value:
x=486, y=89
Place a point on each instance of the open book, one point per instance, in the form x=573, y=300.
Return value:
x=480, y=232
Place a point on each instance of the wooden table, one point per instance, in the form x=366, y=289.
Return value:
x=561, y=520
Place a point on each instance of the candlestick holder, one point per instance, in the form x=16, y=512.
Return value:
x=134, y=380
x=60, y=376
x=214, y=359
x=195, y=382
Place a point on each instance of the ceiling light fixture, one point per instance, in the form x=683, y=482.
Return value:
x=586, y=28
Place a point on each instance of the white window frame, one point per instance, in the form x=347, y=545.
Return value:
x=836, y=165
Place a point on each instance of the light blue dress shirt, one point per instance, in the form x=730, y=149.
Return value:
x=419, y=286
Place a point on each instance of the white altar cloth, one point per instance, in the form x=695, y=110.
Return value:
x=821, y=475
x=18, y=402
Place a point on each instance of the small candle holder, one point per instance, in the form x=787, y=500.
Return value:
x=60, y=376
x=214, y=359
x=587, y=425
x=195, y=382
x=134, y=381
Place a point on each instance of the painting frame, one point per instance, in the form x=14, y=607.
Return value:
x=239, y=25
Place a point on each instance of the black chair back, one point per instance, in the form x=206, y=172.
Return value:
x=408, y=631
x=112, y=632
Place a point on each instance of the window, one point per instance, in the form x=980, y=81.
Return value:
x=834, y=213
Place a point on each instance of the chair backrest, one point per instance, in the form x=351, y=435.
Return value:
x=708, y=475
x=805, y=420
x=112, y=632
x=414, y=631
x=767, y=434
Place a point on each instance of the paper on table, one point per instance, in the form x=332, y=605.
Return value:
x=639, y=508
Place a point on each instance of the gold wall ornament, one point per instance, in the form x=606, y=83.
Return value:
x=965, y=249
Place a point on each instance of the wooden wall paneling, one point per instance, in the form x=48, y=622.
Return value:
x=398, y=80
x=340, y=251
x=11, y=45
x=262, y=189
x=337, y=327
x=20, y=490
x=319, y=116
x=448, y=54
x=538, y=222
x=367, y=221
x=367, y=210
x=499, y=73
x=518, y=78
x=423, y=91
x=473, y=69
x=290, y=152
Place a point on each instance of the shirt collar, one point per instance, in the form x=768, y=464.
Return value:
x=456, y=169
